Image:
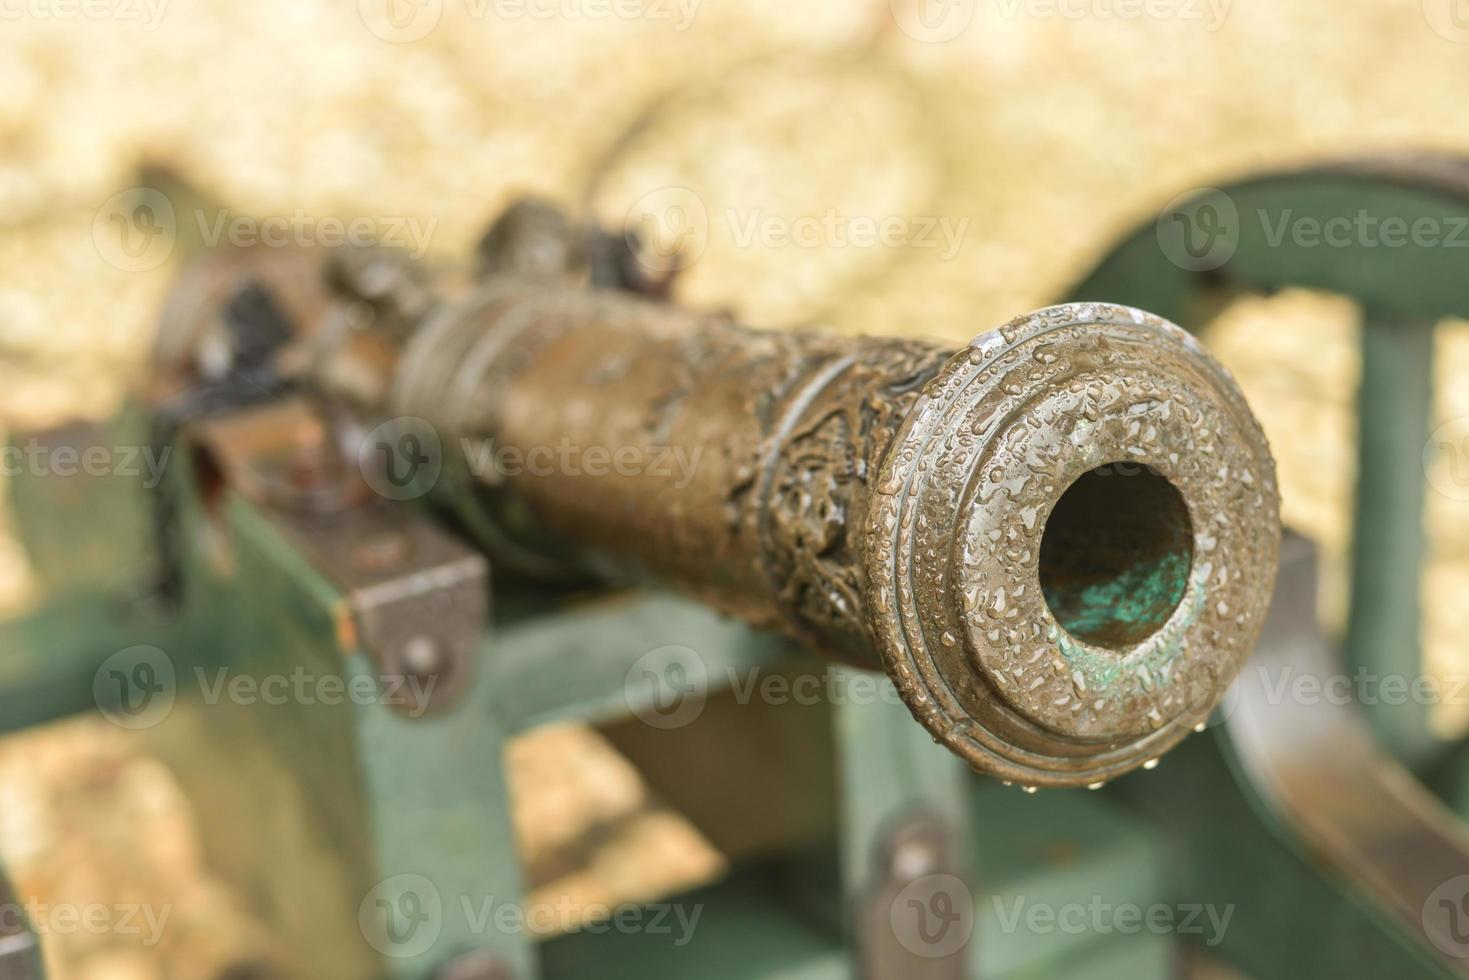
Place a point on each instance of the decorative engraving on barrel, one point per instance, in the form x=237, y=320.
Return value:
x=817, y=481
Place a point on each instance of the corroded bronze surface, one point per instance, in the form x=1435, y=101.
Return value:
x=886, y=500
x=1059, y=542
x=749, y=454
x=961, y=507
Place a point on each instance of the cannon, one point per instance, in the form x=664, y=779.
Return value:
x=1056, y=544
x=1059, y=542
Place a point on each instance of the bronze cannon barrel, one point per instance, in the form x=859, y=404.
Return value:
x=1058, y=541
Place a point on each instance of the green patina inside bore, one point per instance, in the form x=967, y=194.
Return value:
x=1116, y=554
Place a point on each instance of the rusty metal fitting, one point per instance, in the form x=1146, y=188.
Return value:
x=1059, y=542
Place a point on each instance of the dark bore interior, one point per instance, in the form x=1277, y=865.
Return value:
x=1115, y=555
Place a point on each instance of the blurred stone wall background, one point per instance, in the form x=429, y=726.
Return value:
x=1034, y=135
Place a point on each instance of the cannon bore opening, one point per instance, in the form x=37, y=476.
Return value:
x=1115, y=555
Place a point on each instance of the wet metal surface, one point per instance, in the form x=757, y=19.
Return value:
x=886, y=501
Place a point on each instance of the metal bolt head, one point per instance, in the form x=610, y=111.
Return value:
x=422, y=656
